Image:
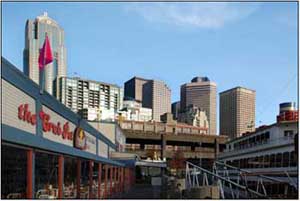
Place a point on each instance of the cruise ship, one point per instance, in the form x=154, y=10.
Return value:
x=270, y=152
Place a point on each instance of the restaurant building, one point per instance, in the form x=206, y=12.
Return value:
x=48, y=151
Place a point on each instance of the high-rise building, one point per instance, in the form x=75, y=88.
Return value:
x=78, y=94
x=175, y=109
x=237, y=111
x=157, y=96
x=134, y=88
x=201, y=92
x=35, y=32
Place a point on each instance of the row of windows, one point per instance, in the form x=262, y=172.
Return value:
x=286, y=159
x=249, y=142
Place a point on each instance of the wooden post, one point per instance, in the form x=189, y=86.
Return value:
x=78, y=177
x=30, y=174
x=91, y=179
x=115, y=179
x=111, y=179
x=99, y=179
x=105, y=182
x=60, y=176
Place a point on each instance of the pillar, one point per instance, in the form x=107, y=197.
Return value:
x=121, y=175
x=60, y=176
x=78, y=177
x=115, y=179
x=163, y=147
x=105, y=181
x=30, y=174
x=111, y=179
x=91, y=179
x=99, y=179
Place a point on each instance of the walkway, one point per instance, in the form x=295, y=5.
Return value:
x=143, y=191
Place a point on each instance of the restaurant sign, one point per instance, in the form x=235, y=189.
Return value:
x=79, y=138
x=56, y=128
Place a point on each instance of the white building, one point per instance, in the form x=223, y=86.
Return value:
x=194, y=116
x=134, y=111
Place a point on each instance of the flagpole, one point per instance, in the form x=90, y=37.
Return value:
x=43, y=72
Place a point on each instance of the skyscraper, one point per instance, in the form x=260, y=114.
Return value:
x=157, y=96
x=78, y=94
x=237, y=111
x=201, y=92
x=35, y=32
x=134, y=88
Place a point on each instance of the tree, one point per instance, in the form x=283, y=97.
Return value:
x=178, y=161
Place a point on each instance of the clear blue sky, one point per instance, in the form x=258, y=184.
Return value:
x=235, y=44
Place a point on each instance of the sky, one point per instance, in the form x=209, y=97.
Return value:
x=253, y=45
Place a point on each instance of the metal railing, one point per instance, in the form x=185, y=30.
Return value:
x=227, y=187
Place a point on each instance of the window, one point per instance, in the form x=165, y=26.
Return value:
x=286, y=158
x=70, y=176
x=288, y=133
x=13, y=172
x=272, y=161
x=266, y=161
x=46, y=175
x=279, y=160
x=293, y=159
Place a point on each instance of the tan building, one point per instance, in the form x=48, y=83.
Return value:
x=134, y=88
x=201, y=92
x=157, y=96
x=237, y=111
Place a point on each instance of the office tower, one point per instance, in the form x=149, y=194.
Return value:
x=35, y=31
x=78, y=94
x=157, y=96
x=237, y=111
x=201, y=92
x=175, y=109
x=134, y=88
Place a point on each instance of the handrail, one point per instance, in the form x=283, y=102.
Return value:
x=229, y=181
x=242, y=170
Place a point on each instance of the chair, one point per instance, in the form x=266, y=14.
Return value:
x=41, y=192
x=14, y=196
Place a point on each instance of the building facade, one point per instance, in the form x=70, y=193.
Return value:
x=157, y=96
x=194, y=116
x=237, y=111
x=201, y=92
x=35, y=31
x=78, y=94
x=167, y=139
x=47, y=150
x=133, y=110
x=175, y=109
x=133, y=88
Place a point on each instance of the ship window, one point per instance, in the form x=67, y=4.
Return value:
x=266, y=161
x=267, y=135
x=260, y=162
x=279, y=160
x=293, y=159
x=286, y=158
x=288, y=133
x=272, y=160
